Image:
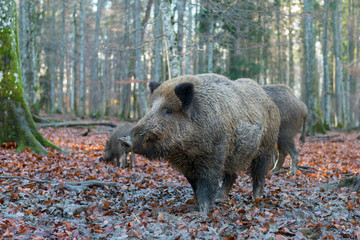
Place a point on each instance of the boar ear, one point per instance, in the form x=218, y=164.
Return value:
x=153, y=85
x=185, y=92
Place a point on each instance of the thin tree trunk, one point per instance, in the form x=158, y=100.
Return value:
x=53, y=59
x=339, y=93
x=139, y=64
x=16, y=123
x=73, y=64
x=291, y=78
x=326, y=81
x=27, y=39
x=95, y=73
x=180, y=33
x=169, y=33
x=311, y=83
x=125, y=97
x=210, y=45
x=280, y=70
x=62, y=60
x=157, y=48
x=81, y=61
x=189, y=40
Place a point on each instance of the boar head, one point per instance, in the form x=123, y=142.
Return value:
x=167, y=127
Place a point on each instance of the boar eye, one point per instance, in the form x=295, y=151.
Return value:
x=168, y=111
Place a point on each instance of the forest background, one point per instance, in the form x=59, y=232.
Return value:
x=94, y=58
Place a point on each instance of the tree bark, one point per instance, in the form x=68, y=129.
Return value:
x=157, y=35
x=16, y=123
x=139, y=62
x=180, y=34
x=189, y=40
x=60, y=107
x=326, y=81
x=170, y=43
x=339, y=87
x=73, y=63
x=94, y=102
x=311, y=82
x=27, y=37
x=81, y=61
x=291, y=78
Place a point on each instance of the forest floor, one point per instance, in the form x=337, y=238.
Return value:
x=75, y=196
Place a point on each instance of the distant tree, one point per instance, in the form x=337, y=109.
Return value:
x=16, y=123
x=82, y=110
x=311, y=81
x=27, y=42
x=339, y=84
x=170, y=43
x=326, y=82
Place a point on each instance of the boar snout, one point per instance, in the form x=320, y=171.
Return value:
x=126, y=142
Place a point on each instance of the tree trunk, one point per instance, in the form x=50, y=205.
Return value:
x=81, y=61
x=94, y=102
x=139, y=62
x=210, y=45
x=27, y=37
x=339, y=89
x=170, y=44
x=180, y=34
x=53, y=58
x=125, y=96
x=326, y=81
x=157, y=48
x=280, y=70
x=16, y=123
x=62, y=60
x=311, y=82
x=73, y=63
x=189, y=41
x=291, y=78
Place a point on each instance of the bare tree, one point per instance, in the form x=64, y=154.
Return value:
x=94, y=99
x=72, y=60
x=189, y=44
x=28, y=61
x=339, y=85
x=157, y=35
x=311, y=82
x=139, y=62
x=170, y=43
x=180, y=5
x=81, y=61
x=326, y=81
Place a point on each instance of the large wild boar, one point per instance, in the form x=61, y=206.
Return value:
x=114, y=149
x=293, y=113
x=209, y=128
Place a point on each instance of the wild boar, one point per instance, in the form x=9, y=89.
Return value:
x=293, y=114
x=209, y=128
x=114, y=149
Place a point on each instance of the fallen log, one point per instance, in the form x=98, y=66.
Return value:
x=76, y=124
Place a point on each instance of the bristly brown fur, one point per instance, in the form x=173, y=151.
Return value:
x=293, y=114
x=224, y=128
x=114, y=150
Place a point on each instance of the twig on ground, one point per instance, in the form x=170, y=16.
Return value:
x=70, y=186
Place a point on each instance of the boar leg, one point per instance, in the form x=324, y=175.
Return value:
x=281, y=159
x=228, y=181
x=193, y=182
x=206, y=190
x=131, y=160
x=259, y=168
x=123, y=160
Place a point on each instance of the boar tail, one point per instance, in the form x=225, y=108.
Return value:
x=303, y=133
